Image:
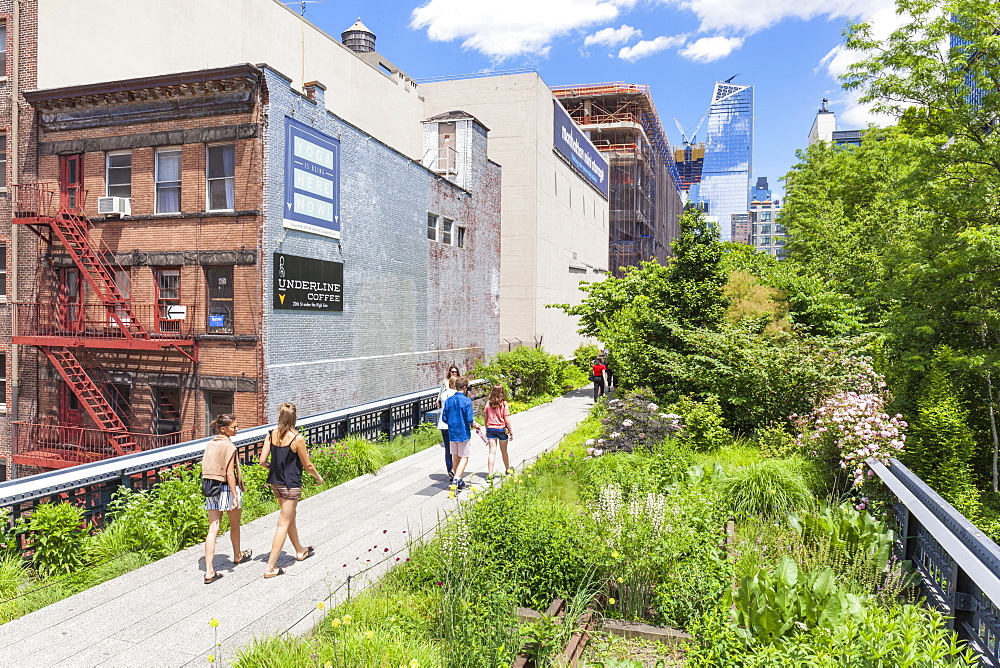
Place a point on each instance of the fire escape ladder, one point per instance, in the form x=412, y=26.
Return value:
x=71, y=229
x=92, y=399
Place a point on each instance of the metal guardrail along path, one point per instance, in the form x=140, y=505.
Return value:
x=958, y=565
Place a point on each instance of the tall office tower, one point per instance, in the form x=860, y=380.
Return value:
x=645, y=187
x=966, y=56
x=725, y=176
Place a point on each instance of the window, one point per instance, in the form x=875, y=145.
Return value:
x=460, y=237
x=123, y=282
x=216, y=404
x=168, y=180
x=120, y=398
x=765, y=241
x=3, y=50
x=168, y=295
x=765, y=216
x=119, y=174
x=446, y=231
x=220, y=300
x=3, y=381
x=221, y=177
x=764, y=229
x=432, y=227
x=3, y=161
x=168, y=410
x=3, y=271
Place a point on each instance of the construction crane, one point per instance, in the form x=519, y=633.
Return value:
x=690, y=137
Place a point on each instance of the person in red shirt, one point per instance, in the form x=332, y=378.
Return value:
x=598, y=374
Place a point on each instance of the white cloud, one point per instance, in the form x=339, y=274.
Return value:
x=648, y=47
x=514, y=27
x=750, y=16
x=612, y=36
x=708, y=49
x=852, y=113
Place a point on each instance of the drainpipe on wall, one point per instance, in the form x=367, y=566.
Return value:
x=16, y=177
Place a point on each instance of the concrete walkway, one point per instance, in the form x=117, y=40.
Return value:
x=158, y=615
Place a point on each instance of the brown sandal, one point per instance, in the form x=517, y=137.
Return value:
x=275, y=573
x=217, y=576
x=244, y=557
x=310, y=551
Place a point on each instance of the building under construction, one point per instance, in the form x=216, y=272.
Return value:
x=645, y=202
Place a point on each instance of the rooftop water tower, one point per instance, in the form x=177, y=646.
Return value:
x=358, y=38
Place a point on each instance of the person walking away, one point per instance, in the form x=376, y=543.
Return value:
x=221, y=463
x=597, y=375
x=498, y=429
x=285, y=456
x=447, y=389
x=459, y=417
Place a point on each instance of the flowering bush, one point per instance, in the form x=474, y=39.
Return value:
x=849, y=428
x=633, y=422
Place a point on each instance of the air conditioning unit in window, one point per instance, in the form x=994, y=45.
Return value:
x=109, y=206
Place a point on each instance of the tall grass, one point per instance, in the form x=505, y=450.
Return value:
x=768, y=489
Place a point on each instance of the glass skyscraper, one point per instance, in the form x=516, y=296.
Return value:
x=725, y=178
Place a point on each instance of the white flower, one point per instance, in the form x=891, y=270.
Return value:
x=627, y=423
x=590, y=441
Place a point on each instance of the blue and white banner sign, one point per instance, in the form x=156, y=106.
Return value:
x=312, y=180
x=570, y=141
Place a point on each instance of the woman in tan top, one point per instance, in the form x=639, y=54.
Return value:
x=221, y=463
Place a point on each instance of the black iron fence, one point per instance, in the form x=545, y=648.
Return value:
x=958, y=565
x=92, y=486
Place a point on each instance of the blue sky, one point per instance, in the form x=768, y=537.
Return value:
x=789, y=50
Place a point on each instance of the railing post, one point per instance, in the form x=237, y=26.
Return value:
x=963, y=606
x=415, y=414
x=387, y=422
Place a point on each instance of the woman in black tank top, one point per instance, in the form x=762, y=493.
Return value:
x=285, y=456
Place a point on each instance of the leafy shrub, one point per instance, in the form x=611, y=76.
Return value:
x=633, y=422
x=770, y=605
x=57, y=538
x=584, y=355
x=572, y=377
x=525, y=372
x=704, y=428
x=855, y=533
x=904, y=636
x=941, y=443
x=769, y=488
x=849, y=428
x=166, y=518
x=775, y=442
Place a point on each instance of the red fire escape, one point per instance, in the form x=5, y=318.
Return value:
x=63, y=331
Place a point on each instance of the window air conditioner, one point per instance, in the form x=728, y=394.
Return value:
x=121, y=206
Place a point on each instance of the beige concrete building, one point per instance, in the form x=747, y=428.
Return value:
x=152, y=37
x=553, y=202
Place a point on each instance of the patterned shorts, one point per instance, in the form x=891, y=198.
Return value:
x=287, y=493
x=224, y=499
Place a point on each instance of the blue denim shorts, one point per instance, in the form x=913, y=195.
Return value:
x=500, y=433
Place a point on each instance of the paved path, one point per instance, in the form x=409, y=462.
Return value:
x=158, y=615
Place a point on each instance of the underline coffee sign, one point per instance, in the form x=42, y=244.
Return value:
x=312, y=180
x=305, y=284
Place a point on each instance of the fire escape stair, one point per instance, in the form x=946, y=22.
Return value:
x=92, y=399
x=71, y=230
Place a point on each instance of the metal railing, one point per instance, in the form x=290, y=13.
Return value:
x=92, y=486
x=61, y=445
x=101, y=321
x=958, y=565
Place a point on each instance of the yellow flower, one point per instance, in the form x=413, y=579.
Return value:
x=211, y=658
x=611, y=601
x=369, y=635
x=335, y=623
x=414, y=663
x=213, y=622
x=347, y=620
x=621, y=579
x=320, y=605
x=399, y=603
x=392, y=619
x=615, y=555
x=453, y=487
x=451, y=495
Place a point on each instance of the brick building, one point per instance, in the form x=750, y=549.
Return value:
x=217, y=241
